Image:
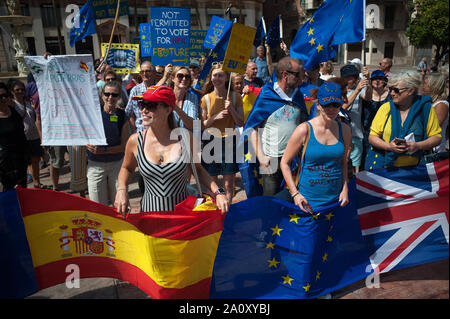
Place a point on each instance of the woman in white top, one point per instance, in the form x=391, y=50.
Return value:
x=434, y=87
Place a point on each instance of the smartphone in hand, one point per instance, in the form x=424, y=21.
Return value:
x=399, y=141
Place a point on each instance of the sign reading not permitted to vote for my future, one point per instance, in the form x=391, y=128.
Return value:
x=170, y=32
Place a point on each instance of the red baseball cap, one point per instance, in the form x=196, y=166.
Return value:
x=158, y=94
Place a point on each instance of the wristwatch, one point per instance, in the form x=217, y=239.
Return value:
x=219, y=191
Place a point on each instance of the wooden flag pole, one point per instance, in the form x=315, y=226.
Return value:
x=112, y=35
x=229, y=85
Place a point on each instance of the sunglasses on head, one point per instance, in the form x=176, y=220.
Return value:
x=180, y=76
x=147, y=105
x=111, y=94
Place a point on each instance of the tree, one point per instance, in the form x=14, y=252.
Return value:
x=428, y=25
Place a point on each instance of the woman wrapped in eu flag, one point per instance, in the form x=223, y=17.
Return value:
x=323, y=173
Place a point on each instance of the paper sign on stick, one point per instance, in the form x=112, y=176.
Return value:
x=122, y=57
x=239, y=48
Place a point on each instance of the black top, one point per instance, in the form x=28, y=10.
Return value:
x=257, y=82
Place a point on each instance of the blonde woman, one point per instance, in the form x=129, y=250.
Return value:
x=218, y=115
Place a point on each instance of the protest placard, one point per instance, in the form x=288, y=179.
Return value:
x=197, y=39
x=239, y=48
x=146, y=43
x=69, y=101
x=105, y=9
x=217, y=28
x=170, y=32
x=122, y=57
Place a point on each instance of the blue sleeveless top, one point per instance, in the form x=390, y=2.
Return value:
x=321, y=174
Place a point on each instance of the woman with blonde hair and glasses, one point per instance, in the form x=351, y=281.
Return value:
x=221, y=114
x=434, y=87
x=186, y=102
x=403, y=127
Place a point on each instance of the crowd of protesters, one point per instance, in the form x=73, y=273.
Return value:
x=391, y=119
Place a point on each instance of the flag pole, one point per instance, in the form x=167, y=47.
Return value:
x=281, y=28
x=112, y=35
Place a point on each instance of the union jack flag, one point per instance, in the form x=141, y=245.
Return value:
x=404, y=215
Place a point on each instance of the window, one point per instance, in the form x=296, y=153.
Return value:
x=51, y=45
x=48, y=16
x=389, y=15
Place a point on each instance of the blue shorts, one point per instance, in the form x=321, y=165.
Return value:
x=223, y=167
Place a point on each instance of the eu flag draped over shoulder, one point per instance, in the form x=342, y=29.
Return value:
x=83, y=24
x=273, y=35
x=335, y=22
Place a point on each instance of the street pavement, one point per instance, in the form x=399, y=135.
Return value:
x=430, y=281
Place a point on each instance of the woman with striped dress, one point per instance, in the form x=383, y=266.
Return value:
x=162, y=161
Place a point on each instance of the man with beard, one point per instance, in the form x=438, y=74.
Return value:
x=280, y=109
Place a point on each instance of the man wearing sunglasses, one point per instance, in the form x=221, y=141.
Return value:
x=385, y=66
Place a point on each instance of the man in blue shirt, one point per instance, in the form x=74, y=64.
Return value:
x=263, y=63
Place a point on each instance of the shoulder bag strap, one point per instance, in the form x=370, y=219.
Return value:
x=305, y=144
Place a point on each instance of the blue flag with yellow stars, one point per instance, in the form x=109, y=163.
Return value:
x=260, y=33
x=83, y=24
x=215, y=56
x=335, y=22
x=273, y=35
x=270, y=249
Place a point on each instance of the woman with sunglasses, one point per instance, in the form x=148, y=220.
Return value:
x=162, y=161
x=323, y=171
x=220, y=115
x=186, y=102
x=14, y=147
x=24, y=108
x=404, y=127
x=104, y=161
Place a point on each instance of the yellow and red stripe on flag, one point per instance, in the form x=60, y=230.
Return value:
x=249, y=99
x=165, y=254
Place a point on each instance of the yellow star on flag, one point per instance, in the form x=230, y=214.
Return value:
x=311, y=20
x=318, y=275
x=310, y=31
x=276, y=230
x=248, y=157
x=329, y=239
x=287, y=279
x=312, y=41
x=307, y=287
x=328, y=216
x=325, y=257
x=255, y=172
x=319, y=47
x=273, y=263
x=270, y=245
x=294, y=218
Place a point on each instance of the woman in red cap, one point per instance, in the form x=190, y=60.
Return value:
x=162, y=161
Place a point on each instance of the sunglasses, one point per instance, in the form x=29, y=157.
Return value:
x=110, y=79
x=335, y=105
x=180, y=76
x=107, y=94
x=146, y=71
x=147, y=105
x=397, y=90
x=296, y=74
x=19, y=90
x=3, y=96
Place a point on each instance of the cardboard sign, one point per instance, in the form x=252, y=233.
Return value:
x=170, y=33
x=122, y=57
x=146, y=43
x=239, y=48
x=217, y=28
x=70, y=105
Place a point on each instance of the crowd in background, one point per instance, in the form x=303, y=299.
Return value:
x=377, y=105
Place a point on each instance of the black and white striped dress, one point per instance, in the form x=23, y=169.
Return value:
x=165, y=184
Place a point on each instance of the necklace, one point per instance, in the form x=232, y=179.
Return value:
x=161, y=158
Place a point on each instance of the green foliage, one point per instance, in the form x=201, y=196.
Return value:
x=430, y=24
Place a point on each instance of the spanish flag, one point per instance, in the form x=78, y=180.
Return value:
x=165, y=254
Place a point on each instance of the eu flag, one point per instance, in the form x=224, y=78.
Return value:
x=260, y=33
x=273, y=35
x=335, y=22
x=83, y=24
x=270, y=249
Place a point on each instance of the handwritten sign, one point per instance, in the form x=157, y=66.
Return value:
x=70, y=106
x=239, y=48
x=105, y=9
x=122, y=57
x=170, y=32
x=146, y=43
x=197, y=39
x=217, y=28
